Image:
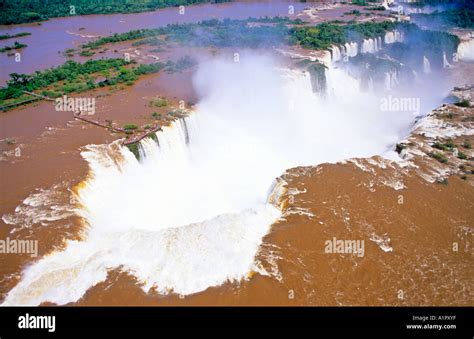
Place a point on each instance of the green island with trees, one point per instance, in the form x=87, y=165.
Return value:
x=230, y=33
x=18, y=35
x=73, y=77
x=16, y=45
x=238, y=33
x=463, y=18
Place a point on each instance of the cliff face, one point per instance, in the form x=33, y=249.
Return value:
x=414, y=215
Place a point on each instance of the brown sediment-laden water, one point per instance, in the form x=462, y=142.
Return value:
x=266, y=193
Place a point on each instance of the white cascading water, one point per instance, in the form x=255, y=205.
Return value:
x=371, y=45
x=426, y=65
x=193, y=211
x=336, y=54
x=393, y=36
x=465, y=50
x=351, y=49
x=390, y=80
x=446, y=63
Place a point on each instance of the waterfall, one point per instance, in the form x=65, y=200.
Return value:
x=372, y=45
x=318, y=78
x=426, y=65
x=390, y=80
x=369, y=46
x=466, y=50
x=336, y=53
x=351, y=49
x=192, y=212
x=393, y=36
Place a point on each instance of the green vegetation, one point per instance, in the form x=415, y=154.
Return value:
x=462, y=156
x=22, y=11
x=180, y=65
x=69, y=52
x=73, y=77
x=8, y=36
x=177, y=113
x=131, y=35
x=467, y=144
x=463, y=103
x=431, y=44
x=159, y=102
x=86, y=53
x=16, y=45
x=276, y=19
x=227, y=33
x=438, y=156
x=130, y=127
x=447, y=146
x=462, y=17
x=324, y=35
x=319, y=37
x=375, y=8
x=134, y=149
x=152, y=41
x=156, y=115
x=360, y=2
x=353, y=12
x=212, y=32
x=240, y=33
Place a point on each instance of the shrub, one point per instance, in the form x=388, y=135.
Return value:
x=130, y=127
x=159, y=102
x=438, y=156
x=461, y=155
x=86, y=53
x=463, y=103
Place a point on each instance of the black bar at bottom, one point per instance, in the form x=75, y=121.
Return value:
x=90, y=320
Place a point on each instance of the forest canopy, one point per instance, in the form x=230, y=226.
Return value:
x=24, y=11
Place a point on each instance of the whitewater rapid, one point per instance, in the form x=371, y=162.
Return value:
x=193, y=211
